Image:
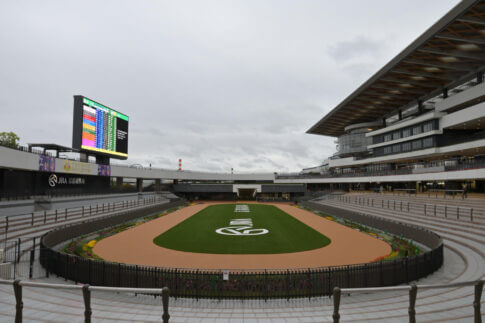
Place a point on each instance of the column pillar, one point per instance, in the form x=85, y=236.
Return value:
x=139, y=184
x=480, y=77
x=445, y=93
x=119, y=182
x=420, y=106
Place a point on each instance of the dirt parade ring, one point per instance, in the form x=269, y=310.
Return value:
x=135, y=246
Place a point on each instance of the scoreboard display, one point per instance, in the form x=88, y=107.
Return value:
x=99, y=129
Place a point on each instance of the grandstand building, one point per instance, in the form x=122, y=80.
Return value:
x=419, y=122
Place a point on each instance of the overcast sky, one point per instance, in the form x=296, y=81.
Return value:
x=220, y=84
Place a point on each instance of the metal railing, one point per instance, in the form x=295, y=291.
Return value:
x=426, y=209
x=12, y=223
x=449, y=165
x=413, y=290
x=86, y=292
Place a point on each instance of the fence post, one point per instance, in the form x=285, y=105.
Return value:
x=165, y=295
x=136, y=276
x=31, y=263
x=412, y=303
x=336, y=305
x=18, y=253
x=476, y=302
x=87, y=303
x=17, y=288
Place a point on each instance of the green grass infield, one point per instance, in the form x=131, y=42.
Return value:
x=218, y=229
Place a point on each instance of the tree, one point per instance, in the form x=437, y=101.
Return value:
x=9, y=139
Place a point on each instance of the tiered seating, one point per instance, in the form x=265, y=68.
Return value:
x=464, y=260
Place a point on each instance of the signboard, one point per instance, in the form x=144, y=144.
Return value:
x=61, y=180
x=225, y=275
x=71, y=166
x=99, y=129
x=104, y=170
x=47, y=163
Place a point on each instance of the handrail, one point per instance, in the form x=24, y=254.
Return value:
x=413, y=289
x=86, y=289
x=164, y=292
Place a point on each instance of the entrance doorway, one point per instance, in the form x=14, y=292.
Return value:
x=246, y=193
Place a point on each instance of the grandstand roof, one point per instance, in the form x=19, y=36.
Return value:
x=448, y=53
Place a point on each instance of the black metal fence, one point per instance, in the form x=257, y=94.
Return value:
x=258, y=284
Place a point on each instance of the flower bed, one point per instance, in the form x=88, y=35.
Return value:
x=83, y=245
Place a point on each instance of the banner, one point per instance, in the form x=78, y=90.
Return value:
x=47, y=163
x=104, y=170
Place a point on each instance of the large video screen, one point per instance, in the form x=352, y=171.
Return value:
x=99, y=129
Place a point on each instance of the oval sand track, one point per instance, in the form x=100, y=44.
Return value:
x=135, y=246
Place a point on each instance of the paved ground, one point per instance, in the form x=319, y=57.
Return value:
x=464, y=260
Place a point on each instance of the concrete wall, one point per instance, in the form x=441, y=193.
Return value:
x=15, y=159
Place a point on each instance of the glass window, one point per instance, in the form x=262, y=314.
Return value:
x=417, y=144
x=428, y=126
x=377, y=139
x=417, y=130
x=428, y=142
x=406, y=146
x=396, y=135
x=378, y=151
x=396, y=148
x=388, y=137
x=406, y=132
x=388, y=150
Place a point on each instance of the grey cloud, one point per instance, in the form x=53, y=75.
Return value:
x=361, y=45
x=218, y=84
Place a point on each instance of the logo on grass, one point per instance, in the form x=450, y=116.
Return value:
x=241, y=227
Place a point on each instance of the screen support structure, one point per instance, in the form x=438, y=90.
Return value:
x=102, y=160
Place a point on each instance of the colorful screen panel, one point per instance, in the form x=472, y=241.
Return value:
x=103, y=130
